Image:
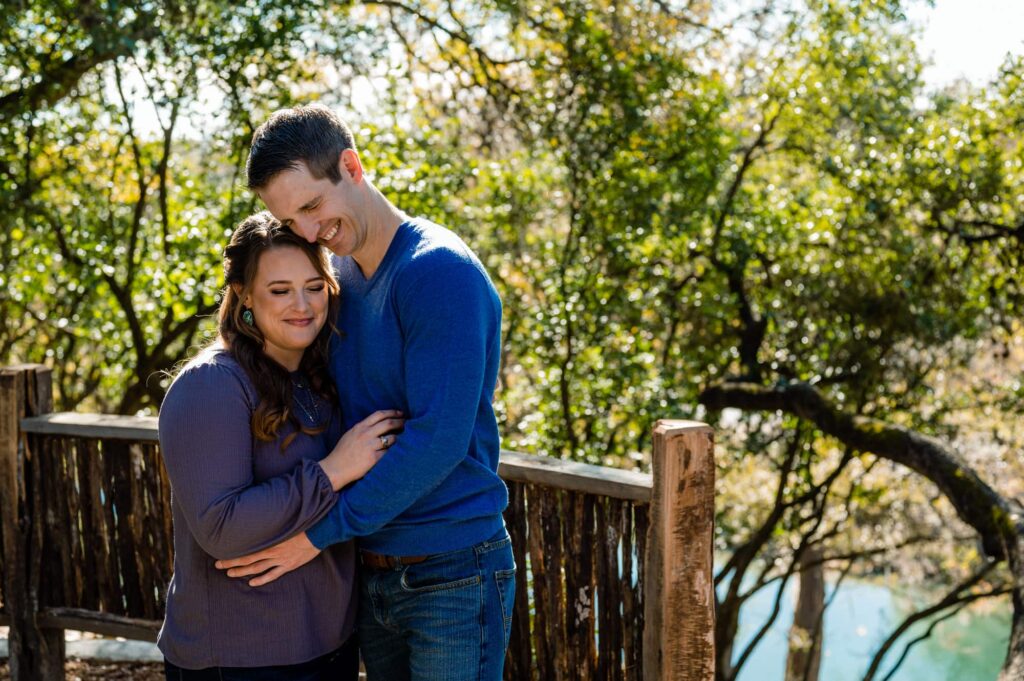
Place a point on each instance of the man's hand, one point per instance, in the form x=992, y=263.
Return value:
x=271, y=563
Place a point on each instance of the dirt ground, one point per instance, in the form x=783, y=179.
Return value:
x=93, y=670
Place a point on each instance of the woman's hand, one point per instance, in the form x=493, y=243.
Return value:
x=361, y=447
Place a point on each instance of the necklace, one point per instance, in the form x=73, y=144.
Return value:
x=309, y=405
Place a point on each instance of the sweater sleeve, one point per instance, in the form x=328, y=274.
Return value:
x=447, y=316
x=207, y=446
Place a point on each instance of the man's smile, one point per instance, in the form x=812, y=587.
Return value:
x=330, y=233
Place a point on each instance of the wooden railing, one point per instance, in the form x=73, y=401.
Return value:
x=614, y=567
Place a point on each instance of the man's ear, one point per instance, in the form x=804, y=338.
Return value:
x=350, y=165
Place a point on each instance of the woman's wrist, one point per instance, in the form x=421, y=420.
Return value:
x=336, y=472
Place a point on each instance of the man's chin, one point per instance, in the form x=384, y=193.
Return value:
x=336, y=246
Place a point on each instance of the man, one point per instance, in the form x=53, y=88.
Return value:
x=420, y=331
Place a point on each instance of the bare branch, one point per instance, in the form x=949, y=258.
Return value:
x=956, y=596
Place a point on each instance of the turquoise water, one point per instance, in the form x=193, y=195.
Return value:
x=968, y=647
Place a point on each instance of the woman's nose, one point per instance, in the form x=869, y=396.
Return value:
x=302, y=301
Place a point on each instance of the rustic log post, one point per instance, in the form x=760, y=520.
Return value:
x=679, y=603
x=34, y=652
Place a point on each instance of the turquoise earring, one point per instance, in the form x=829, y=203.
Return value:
x=247, y=317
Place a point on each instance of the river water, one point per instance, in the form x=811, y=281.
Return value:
x=968, y=647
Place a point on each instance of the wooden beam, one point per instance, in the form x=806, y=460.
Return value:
x=575, y=476
x=35, y=652
x=101, y=623
x=98, y=426
x=679, y=603
x=10, y=492
x=539, y=470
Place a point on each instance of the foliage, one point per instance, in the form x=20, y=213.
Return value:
x=668, y=196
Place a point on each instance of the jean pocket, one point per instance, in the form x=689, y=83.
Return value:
x=417, y=579
x=505, y=580
x=490, y=546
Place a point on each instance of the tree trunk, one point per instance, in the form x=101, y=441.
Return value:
x=1013, y=668
x=804, y=660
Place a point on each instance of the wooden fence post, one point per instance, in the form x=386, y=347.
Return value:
x=679, y=604
x=34, y=652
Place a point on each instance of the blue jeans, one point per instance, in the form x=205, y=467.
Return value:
x=340, y=665
x=447, y=618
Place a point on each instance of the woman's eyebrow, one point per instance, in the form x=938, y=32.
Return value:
x=287, y=281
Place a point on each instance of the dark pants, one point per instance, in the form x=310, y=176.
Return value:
x=339, y=665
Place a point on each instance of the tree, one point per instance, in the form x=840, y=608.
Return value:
x=759, y=212
x=120, y=206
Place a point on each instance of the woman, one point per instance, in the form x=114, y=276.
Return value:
x=248, y=432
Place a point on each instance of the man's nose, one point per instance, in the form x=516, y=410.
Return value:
x=307, y=228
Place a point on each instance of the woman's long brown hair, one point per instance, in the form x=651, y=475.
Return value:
x=253, y=237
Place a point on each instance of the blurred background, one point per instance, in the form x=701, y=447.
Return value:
x=684, y=205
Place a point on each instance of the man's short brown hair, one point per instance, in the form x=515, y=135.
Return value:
x=311, y=134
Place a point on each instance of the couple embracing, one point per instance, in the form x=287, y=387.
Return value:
x=333, y=455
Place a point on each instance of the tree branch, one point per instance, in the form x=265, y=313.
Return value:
x=57, y=80
x=976, y=502
x=955, y=597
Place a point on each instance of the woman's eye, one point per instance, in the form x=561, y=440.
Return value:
x=317, y=288
x=279, y=291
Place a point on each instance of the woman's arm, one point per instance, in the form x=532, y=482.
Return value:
x=207, y=445
x=361, y=447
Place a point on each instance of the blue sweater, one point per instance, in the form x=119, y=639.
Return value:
x=423, y=335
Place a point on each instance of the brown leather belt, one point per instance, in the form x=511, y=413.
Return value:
x=381, y=562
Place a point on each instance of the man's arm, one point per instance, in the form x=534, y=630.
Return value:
x=449, y=314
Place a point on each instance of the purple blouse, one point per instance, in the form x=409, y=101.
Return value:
x=231, y=495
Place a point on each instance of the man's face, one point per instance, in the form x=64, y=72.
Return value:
x=318, y=210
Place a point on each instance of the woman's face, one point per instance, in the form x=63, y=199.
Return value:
x=289, y=304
